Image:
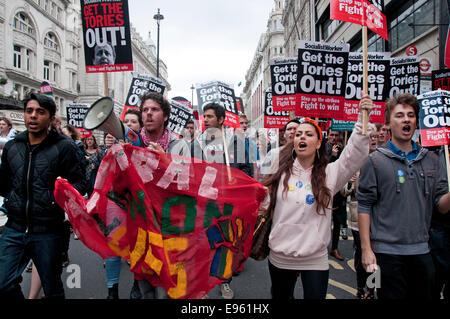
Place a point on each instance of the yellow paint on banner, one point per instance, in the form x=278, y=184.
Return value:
x=114, y=243
x=139, y=247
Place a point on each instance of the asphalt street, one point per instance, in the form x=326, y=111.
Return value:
x=252, y=283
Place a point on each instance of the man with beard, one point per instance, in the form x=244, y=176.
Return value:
x=399, y=186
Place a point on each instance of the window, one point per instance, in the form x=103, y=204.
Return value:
x=325, y=26
x=72, y=80
x=22, y=23
x=17, y=62
x=47, y=70
x=411, y=19
x=51, y=42
x=28, y=59
x=55, y=72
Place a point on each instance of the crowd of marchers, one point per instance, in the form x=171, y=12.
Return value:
x=391, y=192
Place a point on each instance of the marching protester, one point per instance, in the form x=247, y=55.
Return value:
x=210, y=146
x=383, y=133
x=189, y=131
x=399, y=186
x=301, y=191
x=334, y=150
x=272, y=157
x=362, y=292
x=7, y=132
x=440, y=247
x=155, y=110
x=34, y=160
x=133, y=120
x=251, y=150
x=93, y=156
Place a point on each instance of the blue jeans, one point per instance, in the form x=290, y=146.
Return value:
x=112, y=269
x=45, y=250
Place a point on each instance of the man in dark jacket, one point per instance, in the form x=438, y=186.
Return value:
x=31, y=163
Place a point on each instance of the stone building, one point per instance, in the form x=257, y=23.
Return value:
x=257, y=78
x=41, y=40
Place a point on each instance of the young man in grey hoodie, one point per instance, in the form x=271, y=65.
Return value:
x=400, y=184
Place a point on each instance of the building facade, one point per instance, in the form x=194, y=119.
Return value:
x=416, y=27
x=42, y=40
x=39, y=41
x=257, y=78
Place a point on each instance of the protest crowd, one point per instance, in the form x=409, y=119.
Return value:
x=186, y=194
x=398, y=229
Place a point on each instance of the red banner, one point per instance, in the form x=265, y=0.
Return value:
x=182, y=225
x=363, y=12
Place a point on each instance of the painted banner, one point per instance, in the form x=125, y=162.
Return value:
x=182, y=225
x=180, y=114
x=106, y=35
x=140, y=84
x=405, y=76
x=440, y=79
x=273, y=119
x=75, y=117
x=434, y=118
x=283, y=74
x=222, y=94
x=364, y=12
x=321, y=79
x=378, y=84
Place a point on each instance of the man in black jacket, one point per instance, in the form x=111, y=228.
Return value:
x=31, y=163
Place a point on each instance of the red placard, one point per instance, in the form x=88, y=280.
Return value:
x=363, y=12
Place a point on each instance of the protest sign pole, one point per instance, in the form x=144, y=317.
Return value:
x=447, y=161
x=365, y=76
x=227, y=159
x=105, y=83
x=346, y=138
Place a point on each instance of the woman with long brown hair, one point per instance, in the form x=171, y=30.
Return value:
x=301, y=192
x=93, y=156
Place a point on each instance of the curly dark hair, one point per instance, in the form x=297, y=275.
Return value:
x=161, y=100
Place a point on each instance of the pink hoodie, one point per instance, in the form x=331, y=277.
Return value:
x=299, y=237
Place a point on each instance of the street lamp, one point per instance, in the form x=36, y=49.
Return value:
x=158, y=17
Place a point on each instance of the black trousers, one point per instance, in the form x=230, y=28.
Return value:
x=406, y=277
x=440, y=251
x=361, y=274
x=315, y=283
x=339, y=219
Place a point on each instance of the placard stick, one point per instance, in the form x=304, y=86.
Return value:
x=447, y=161
x=105, y=83
x=365, y=76
x=346, y=138
x=225, y=148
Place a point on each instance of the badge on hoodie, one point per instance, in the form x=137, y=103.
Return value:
x=299, y=184
x=401, y=176
x=310, y=199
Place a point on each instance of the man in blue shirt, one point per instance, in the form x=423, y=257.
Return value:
x=400, y=185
